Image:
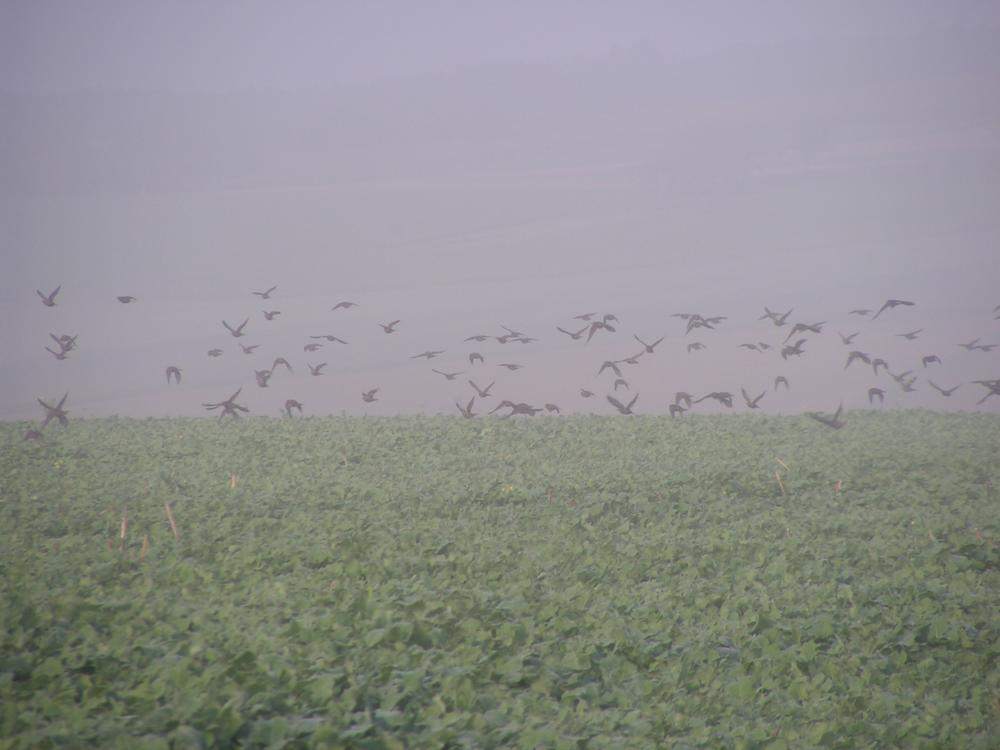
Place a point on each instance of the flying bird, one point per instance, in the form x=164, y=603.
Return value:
x=473, y=356
x=676, y=410
x=369, y=396
x=874, y=393
x=466, y=410
x=282, y=361
x=428, y=354
x=622, y=407
x=55, y=412
x=389, y=327
x=482, y=392
x=796, y=350
x=751, y=402
x=723, y=397
x=943, y=391
x=215, y=352
x=586, y=394
x=49, y=300
x=60, y=355
x=649, y=347
x=238, y=331
x=510, y=366
x=682, y=396
x=993, y=387
x=447, y=375
x=316, y=369
x=552, y=408
x=847, y=340
x=267, y=294
x=860, y=311
x=891, y=303
x=857, y=355
x=779, y=319
x=271, y=314
x=609, y=364
x=621, y=382
x=781, y=380
x=311, y=347
x=126, y=298
x=229, y=406
x=804, y=327
x=174, y=372
x=329, y=337
x=878, y=362
x=834, y=422
x=480, y=337
x=345, y=305
x=262, y=377
x=695, y=346
x=596, y=326
x=249, y=349
x=292, y=404
x=929, y=359
x=911, y=335
x=573, y=335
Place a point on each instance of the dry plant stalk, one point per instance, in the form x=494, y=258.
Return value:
x=145, y=547
x=839, y=485
x=780, y=483
x=124, y=529
x=173, y=524
x=232, y=481
x=782, y=463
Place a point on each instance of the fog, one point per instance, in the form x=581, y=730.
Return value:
x=462, y=166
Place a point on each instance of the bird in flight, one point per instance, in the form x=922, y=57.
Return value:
x=796, y=350
x=847, y=340
x=316, y=369
x=249, y=349
x=695, y=346
x=215, y=352
x=126, y=298
x=389, y=327
x=596, y=326
x=633, y=360
x=624, y=409
x=480, y=337
x=892, y=303
x=943, y=391
x=267, y=294
x=573, y=335
x=752, y=347
x=369, y=396
x=49, y=300
x=466, y=410
x=993, y=387
x=612, y=365
x=262, y=377
x=482, y=392
x=649, y=347
x=552, y=408
x=779, y=319
x=345, y=305
x=60, y=355
x=857, y=355
x=834, y=422
x=621, y=382
x=929, y=359
x=781, y=380
x=282, y=361
x=174, y=372
x=860, y=311
x=803, y=327
x=447, y=375
x=879, y=362
x=586, y=316
x=752, y=402
x=271, y=314
x=55, y=412
x=428, y=354
x=676, y=410
x=586, y=394
x=238, y=331
x=682, y=396
x=723, y=397
x=874, y=393
x=510, y=366
x=311, y=347
x=229, y=406
x=329, y=337
x=473, y=356
x=911, y=335
x=292, y=404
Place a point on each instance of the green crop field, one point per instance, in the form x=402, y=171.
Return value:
x=428, y=582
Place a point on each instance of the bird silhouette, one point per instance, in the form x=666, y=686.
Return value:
x=612, y=365
x=930, y=358
x=476, y=356
x=60, y=355
x=126, y=299
x=480, y=337
x=620, y=406
x=620, y=382
x=574, y=335
x=795, y=350
x=282, y=361
x=267, y=294
x=311, y=347
x=447, y=375
x=466, y=410
x=874, y=393
x=833, y=422
x=848, y=339
x=695, y=346
x=911, y=335
x=878, y=362
x=263, y=376
x=993, y=387
x=857, y=355
x=316, y=369
x=329, y=337
x=292, y=404
x=49, y=300
x=649, y=347
x=390, y=327
x=779, y=319
x=249, y=349
x=552, y=408
x=510, y=366
x=345, y=305
x=596, y=326
x=482, y=392
x=805, y=327
x=585, y=316
x=892, y=303
x=682, y=396
x=633, y=360
x=943, y=391
x=369, y=396
x=723, y=397
x=215, y=352
x=271, y=314
x=781, y=380
x=752, y=402
x=238, y=331
x=428, y=354
x=752, y=347
x=229, y=406
x=55, y=412
x=174, y=372
x=586, y=394
x=860, y=311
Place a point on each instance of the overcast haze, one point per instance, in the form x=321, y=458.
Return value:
x=464, y=165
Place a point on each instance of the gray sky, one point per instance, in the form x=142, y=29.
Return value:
x=461, y=165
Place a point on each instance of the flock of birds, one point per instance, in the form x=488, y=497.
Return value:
x=588, y=326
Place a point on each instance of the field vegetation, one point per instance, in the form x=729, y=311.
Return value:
x=583, y=582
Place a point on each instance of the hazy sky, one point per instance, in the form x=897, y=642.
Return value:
x=461, y=165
